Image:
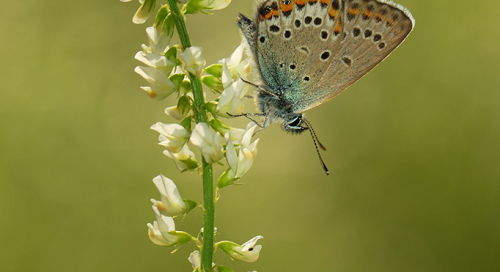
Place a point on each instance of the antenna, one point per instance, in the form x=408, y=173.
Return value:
x=315, y=139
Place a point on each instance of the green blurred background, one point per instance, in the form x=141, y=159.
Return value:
x=413, y=150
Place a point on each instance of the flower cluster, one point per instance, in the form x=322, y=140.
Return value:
x=174, y=71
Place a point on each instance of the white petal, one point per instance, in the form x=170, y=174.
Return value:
x=170, y=197
x=231, y=156
x=195, y=259
x=226, y=78
x=248, y=135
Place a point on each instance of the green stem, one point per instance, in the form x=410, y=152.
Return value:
x=201, y=115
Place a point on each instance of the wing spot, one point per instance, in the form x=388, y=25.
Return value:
x=324, y=34
x=368, y=33
x=288, y=34
x=325, y=55
x=381, y=45
x=274, y=28
x=306, y=78
x=335, y=4
x=356, y=31
x=265, y=12
x=301, y=4
x=318, y=21
x=297, y=23
x=347, y=60
x=293, y=66
x=304, y=50
x=262, y=39
x=377, y=37
x=308, y=20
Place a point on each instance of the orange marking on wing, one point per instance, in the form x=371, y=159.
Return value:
x=288, y=7
x=391, y=22
x=276, y=13
x=268, y=15
x=338, y=27
x=368, y=13
x=301, y=2
x=324, y=1
x=333, y=12
x=353, y=11
x=313, y=1
x=379, y=16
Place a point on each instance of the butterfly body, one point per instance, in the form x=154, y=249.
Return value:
x=308, y=51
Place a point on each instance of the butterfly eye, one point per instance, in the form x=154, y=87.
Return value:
x=295, y=122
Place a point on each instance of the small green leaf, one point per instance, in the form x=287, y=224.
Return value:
x=191, y=205
x=168, y=26
x=213, y=83
x=163, y=12
x=225, y=180
x=171, y=55
x=215, y=70
x=190, y=163
x=212, y=108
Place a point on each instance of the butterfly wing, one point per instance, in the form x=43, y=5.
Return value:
x=372, y=29
x=287, y=35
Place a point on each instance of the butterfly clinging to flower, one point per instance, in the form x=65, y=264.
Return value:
x=308, y=51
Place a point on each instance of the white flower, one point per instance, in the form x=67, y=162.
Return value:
x=223, y=128
x=195, y=259
x=247, y=138
x=232, y=99
x=176, y=113
x=248, y=252
x=216, y=4
x=238, y=65
x=184, y=160
x=171, y=203
x=160, y=86
x=144, y=11
x=208, y=143
x=193, y=60
x=155, y=60
x=182, y=109
x=158, y=41
x=159, y=230
x=241, y=163
x=162, y=232
x=172, y=136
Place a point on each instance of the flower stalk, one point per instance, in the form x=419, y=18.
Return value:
x=181, y=70
x=201, y=116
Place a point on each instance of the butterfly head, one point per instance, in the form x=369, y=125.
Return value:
x=294, y=124
x=277, y=109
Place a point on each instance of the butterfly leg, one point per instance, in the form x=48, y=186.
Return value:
x=249, y=116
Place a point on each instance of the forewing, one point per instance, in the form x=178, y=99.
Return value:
x=372, y=30
x=295, y=43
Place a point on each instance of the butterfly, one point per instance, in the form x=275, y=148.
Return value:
x=308, y=51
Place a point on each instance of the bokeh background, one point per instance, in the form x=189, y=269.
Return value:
x=413, y=150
